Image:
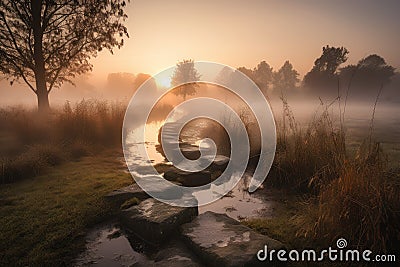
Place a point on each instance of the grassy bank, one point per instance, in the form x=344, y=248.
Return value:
x=43, y=220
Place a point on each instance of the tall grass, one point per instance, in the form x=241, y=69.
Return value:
x=362, y=205
x=309, y=157
x=353, y=195
x=349, y=195
x=30, y=143
x=91, y=121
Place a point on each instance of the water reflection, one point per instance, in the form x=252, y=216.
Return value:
x=107, y=245
x=238, y=203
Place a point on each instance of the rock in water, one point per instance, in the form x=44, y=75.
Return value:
x=154, y=221
x=189, y=179
x=222, y=241
x=172, y=254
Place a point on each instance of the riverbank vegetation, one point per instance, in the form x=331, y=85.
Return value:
x=341, y=192
x=30, y=144
x=54, y=178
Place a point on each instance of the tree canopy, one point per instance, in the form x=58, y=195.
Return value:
x=324, y=72
x=261, y=75
x=286, y=77
x=185, y=72
x=46, y=42
x=370, y=72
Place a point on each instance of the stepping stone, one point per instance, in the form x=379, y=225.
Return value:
x=154, y=186
x=219, y=163
x=176, y=254
x=219, y=240
x=119, y=196
x=155, y=221
x=190, y=152
x=189, y=179
x=172, y=254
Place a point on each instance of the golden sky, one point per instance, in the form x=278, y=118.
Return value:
x=237, y=33
x=242, y=33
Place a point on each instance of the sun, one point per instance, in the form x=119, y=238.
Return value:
x=163, y=81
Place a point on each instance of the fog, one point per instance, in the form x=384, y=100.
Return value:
x=114, y=87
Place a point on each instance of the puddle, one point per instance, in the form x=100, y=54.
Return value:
x=108, y=246
x=214, y=232
x=239, y=204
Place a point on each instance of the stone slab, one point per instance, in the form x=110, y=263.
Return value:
x=154, y=221
x=219, y=240
x=119, y=196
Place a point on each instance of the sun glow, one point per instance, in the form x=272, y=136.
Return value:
x=163, y=81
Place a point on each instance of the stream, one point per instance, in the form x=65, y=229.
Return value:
x=108, y=245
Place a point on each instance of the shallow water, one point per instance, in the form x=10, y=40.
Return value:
x=107, y=245
x=238, y=204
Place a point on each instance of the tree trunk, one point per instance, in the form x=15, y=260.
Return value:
x=39, y=70
x=43, y=101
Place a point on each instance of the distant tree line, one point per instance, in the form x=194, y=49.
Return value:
x=326, y=76
x=267, y=80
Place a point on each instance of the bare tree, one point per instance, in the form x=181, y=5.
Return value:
x=48, y=42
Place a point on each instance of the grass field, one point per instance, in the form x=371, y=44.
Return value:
x=43, y=220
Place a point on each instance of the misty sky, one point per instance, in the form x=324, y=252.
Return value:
x=242, y=33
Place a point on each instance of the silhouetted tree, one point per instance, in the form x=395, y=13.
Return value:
x=263, y=76
x=323, y=74
x=248, y=72
x=260, y=75
x=286, y=77
x=185, y=72
x=224, y=77
x=370, y=72
x=46, y=42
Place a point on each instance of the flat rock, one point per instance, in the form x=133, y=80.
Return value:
x=154, y=221
x=172, y=254
x=121, y=195
x=219, y=240
x=219, y=163
x=190, y=152
x=189, y=179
